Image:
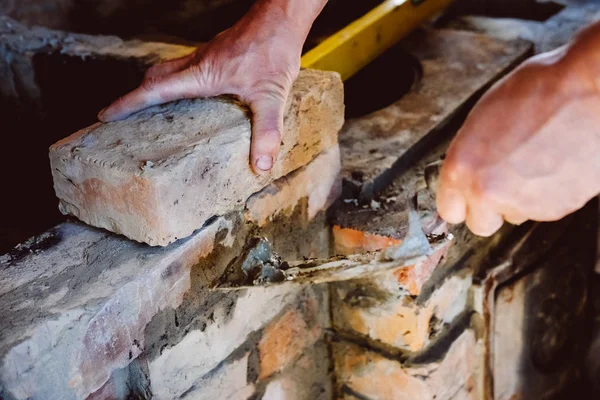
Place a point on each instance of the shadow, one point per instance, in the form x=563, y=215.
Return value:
x=381, y=83
x=72, y=91
x=531, y=10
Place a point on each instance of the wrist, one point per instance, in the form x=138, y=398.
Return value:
x=583, y=56
x=295, y=15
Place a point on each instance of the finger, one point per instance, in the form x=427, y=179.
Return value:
x=267, y=127
x=177, y=86
x=451, y=204
x=168, y=67
x=514, y=218
x=483, y=220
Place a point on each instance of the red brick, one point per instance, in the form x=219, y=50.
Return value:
x=378, y=309
x=286, y=338
x=457, y=375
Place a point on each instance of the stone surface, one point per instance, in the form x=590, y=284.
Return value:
x=546, y=35
x=162, y=173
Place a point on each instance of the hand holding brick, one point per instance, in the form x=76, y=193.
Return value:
x=161, y=174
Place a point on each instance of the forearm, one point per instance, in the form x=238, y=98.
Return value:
x=582, y=55
x=297, y=15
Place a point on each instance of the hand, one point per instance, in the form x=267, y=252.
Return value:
x=529, y=150
x=257, y=60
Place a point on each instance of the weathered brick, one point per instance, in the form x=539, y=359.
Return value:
x=319, y=181
x=309, y=378
x=75, y=305
x=380, y=310
x=287, y=337
x=228, y=381
x=162, y=173
x=180, y=367
x=455, y=375
x=204, y=356
x=413, y=277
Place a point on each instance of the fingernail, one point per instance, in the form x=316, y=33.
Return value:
x=264, y=163
x=101, y=113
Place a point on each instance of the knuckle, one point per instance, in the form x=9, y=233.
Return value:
x=274, y=86
x=150, y=72
x=201, y=72
x=150, y=84
x=486, y=187
x=480, y=188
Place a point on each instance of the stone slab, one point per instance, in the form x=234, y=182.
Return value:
x=161, y=174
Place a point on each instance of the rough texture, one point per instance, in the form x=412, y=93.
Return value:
x=373, y=376
x=381, y=310
x=161, y=174
x=85, y=312
x=415, y=332
x=78, y=310
x=320, y=179
x=47, y=78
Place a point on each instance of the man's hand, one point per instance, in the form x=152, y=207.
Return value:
x=530, y=149
x=257, y=60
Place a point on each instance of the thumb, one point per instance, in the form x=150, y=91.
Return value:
x=267, y=130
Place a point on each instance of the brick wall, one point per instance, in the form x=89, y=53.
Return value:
x=87, y=314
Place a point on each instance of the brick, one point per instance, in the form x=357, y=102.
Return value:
x=212, y=350
x=456, y=375
x=353, y=241
x=179, y=367
x=76, y=302
x=319, y=181
x=229, y=381
x=79, y=303
x=309, y=378
x=162, y=173
x=379, y=310
x=413, y=277
x=286, y=338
